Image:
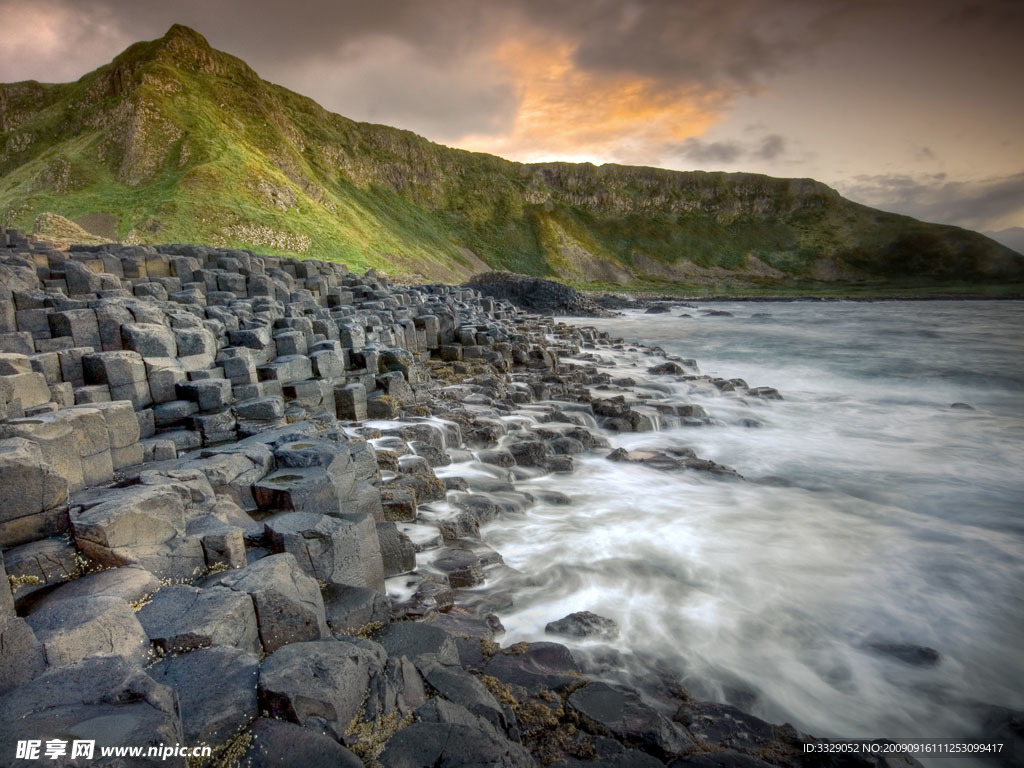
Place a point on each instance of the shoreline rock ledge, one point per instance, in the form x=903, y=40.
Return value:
x=221, y=522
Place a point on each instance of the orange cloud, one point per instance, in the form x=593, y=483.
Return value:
x=570, y=114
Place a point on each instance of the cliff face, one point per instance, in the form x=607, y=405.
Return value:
x=175, y=141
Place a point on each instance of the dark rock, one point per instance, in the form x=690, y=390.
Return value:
x=461, y=566
x=915, y=655
x=620, y=713
x=70, y=630
x=330, y=549
x=397, y=550
x=666, y=368
x=418, y=642
x=723, y=759
x=584, y=624
x=536, y=294
x=427, y=744
x=103, y=698
x=181, y=618
x=536, y=667
x=319, y=684
x=274, y=741
x=725, y=725
x=289, y=606
x=130, y=583
x=349, y=608
x=212, y=713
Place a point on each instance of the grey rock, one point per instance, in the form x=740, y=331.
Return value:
x=320, y=684
x=289, y=606
x=539, y=667
x=41, y=564
x=343, y=550
x=619, y=712
x=130, y=583
x=462, y=567
x=102, y=698
x=143, y=525
x=418, y=642
x=149, y=339
x=31, y=483
x=21, y=654
x=448, y=745
x=584, y=624
x=465, y=689
x=349, y=608
x=398, y=553
x=70, y=630
x=272, y=740
x=216, y=690
x=181, y=618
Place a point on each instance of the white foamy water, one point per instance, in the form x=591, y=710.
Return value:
x=871, y=513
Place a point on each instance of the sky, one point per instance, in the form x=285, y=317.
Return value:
x=913, y=106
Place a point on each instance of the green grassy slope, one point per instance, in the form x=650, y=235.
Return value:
x=177, y=142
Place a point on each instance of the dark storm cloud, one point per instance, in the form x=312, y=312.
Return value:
x=718, y=153
x=710, y=151
x=772, y=146
x=932, y=197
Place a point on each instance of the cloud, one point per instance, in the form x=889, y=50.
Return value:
x=711, y=151
x=771, y=147
x=597, y=79
x=729, y=152
x=984, y=204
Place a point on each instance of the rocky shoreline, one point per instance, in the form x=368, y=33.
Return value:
x=227, y=519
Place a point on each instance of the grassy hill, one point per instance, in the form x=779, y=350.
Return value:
x=174, y=141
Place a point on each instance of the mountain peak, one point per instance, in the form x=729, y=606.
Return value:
x=184, y=48
x=181, y=36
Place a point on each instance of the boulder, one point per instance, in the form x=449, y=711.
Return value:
x=70, y=630
x=320, y=684
x=181, y=618
x=103, y=698
x=461, y=567
x=31, y=483
x=584, y=624
x=398, y=553
x=342, y=550
x=289, y=607
x=28, y=389
x=130, y=583
x=212, y=714
x=536, y=667
x=21, y=654
x=149, y=339
x=725, y=725
x=452, y=746
x=141, y=525
x=41, y=564
x=461, y=687
x=619, y=712
x=273, y=739
x=349, y=608
x=418, y=642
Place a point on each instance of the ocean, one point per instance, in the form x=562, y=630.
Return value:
x=865, y=577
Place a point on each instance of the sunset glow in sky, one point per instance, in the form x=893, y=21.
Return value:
x=908, y=105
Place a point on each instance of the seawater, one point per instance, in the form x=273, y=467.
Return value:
x=871, y=514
